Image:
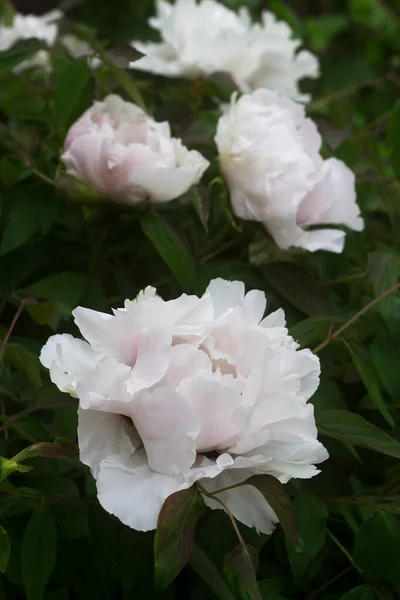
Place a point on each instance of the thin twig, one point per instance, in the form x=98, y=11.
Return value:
x=331, y=581
x=228, y=512
x=355, y=317
x=20, y=308
x=343, y=550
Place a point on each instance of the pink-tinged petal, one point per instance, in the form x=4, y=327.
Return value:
x=163, y=184
x=105, y=389
x=246, y=503
x=186, y=362
x=217, y=408
x=333, y=200
x=134, y=493
x=225, y=295
x=69, y=359
x=254, y=305
x=168, y=427
x=153, y=359
x=109, y=337
x=102, y=435
x=85, y=160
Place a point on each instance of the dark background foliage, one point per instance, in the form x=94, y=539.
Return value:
x=56, y=543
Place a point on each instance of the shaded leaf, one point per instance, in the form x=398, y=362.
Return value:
x=204, y=567
x=377, y=543
x=385, y=354
x=369, y=377
x=351, y=428
x=394, y=139
x=5, y=549
x=21, y=224
x=170, y=247
x=278, y=498
x=18, y=53
x=64, y=288
x=174, y=539
x=61, y=448
x=38, y=552
x=311, y=515
x=362, y=592
x=298, y=287
x=68, y=86
x=7, y=12
x=384, y=272
x=240, y=567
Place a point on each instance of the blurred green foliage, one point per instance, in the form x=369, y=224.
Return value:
x=56, y=543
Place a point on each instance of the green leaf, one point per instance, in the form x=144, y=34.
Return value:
x=278, y=498
x=21, y=224
x=394, y=139
x=311, y=515
x=64, y=288
x=18, y=53
x=313, y=329
x=38, y=556
x=385, y=354
x=125, y=80
x=174, y=539
x=69, y=84
x=240, y=567
x=383, y=272
x=8, y=466
x=5, y=550
x=61, y=448
x=298, y=287
x=170, y=247
x=362, y=592
x=377, y=544
x=351, y=428
x=369, y=377
x=7, y=12
x=204, y=567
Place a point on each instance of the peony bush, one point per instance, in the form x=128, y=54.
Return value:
x=199, y=390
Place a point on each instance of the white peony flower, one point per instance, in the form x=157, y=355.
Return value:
x=270, y=156
x=123, y=154
x=199, y=39
x=193, y=389
x=43, y=27
x=78, y=48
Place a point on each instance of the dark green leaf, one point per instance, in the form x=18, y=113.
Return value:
x=385, y=354
x=394, y=139
x=240, y=568
x=376, y=546
x=68, y=86
x=298, y=287
x=61, y=448
x=5, y=549
x=384, y=272
x=64, y=288
x=21, y=51
x=369, y=377
x=311, y=515
x=351, y=428
x=174, y=539
x=313, y=330
x=278, y=498
x=22, y=223
x=170, y=247
x=126, y=81
x=38, y=552
x=204, y=567
x=362, y=592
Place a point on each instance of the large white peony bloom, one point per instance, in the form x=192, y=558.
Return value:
x=199, y=39
x=194, y=389
x=123, y=154
x=270, y=156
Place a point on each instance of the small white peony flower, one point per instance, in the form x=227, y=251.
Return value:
x=193, y=389
x=43, y=27
x=270, y=156
x=199, y=39
x=123, y=154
